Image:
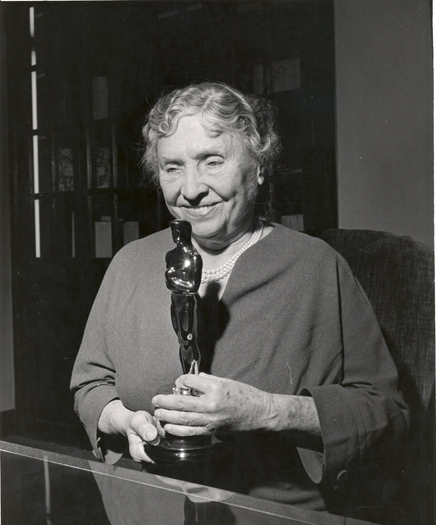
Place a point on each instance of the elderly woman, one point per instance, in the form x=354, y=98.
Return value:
x=293, y=362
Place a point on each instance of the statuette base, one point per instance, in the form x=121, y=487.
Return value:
x=174, y=449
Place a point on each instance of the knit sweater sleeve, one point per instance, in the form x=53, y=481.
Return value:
x=365, y=412
x=93, y=379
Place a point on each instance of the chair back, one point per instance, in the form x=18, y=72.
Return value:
x=397, y=274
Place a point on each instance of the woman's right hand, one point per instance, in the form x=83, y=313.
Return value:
x=142, y=427
x=139, y=427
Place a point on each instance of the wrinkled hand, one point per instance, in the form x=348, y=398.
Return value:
x=141, y=427
x=224, y=406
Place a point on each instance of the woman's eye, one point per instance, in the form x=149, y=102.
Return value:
x=171, y=170
x=214, y=163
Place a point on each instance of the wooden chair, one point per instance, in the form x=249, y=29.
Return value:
x=397, y=273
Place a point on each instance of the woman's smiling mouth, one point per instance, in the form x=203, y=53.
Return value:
x=199, y=210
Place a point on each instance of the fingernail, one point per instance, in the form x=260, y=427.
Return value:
x=157, y=413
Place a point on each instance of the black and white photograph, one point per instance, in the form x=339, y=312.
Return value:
x=217, y=271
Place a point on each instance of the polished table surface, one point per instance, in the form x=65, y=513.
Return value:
x=42, y=486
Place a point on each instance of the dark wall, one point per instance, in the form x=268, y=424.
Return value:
x=384, y=78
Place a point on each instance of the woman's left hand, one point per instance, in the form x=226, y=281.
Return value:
x=224, y=406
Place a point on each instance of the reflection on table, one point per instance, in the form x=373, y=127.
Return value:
x=40, y=486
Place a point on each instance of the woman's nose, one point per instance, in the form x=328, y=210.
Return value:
x=193, y=186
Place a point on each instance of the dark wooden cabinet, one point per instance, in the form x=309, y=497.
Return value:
x=81, y=76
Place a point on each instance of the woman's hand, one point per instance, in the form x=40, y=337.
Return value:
x=139, y=427
x=224, y=406
x=227, y=406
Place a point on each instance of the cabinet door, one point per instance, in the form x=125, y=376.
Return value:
x=51, y=292
x=77, y=199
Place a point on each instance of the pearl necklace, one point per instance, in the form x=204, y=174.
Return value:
x=209, y=276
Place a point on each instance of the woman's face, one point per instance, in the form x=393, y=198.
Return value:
x=209, y=179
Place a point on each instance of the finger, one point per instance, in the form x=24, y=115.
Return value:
x=184, y=431
x=154, y=442
x=201, y=382
x=182, y=403
x=143, y=424
x=136, y=449
x=160, y=428
x=180, y=418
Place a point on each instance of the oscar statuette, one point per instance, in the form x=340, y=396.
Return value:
x=183, y=278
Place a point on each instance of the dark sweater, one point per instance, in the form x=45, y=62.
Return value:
x=292, y=320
